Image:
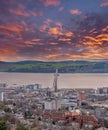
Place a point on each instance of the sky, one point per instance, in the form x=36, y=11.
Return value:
x=53, y=30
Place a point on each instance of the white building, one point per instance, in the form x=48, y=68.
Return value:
x=1, y=96
x=102, y=90
x=70, y=102
x=52, y=105
x=34, y=86
x=100, y=112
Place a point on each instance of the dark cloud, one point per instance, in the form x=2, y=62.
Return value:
x=51, y=30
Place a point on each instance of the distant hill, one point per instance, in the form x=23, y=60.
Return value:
x=49, y=67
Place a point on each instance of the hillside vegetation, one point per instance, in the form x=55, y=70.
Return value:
x=49, y=67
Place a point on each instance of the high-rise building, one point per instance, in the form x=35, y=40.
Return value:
x=55, y=81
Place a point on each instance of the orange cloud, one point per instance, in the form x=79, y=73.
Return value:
x=69, y=34
x=54, y=56
x=96, y=53
x=33, y=41
x=29, y=43
x=55, y=31
x=75, y=11
x=36, y=40
x=64, y=39
x=91, y=31
x=71, y=56
x=19, y=12
x=102, y=37
x=53, y=43
x=46, y=25
x=19, y=38
x=6, y=32
x=51, y=56
x=93, y=50
x=104, y=3
x=93, y=53
x=8, y=53
x=43, y=28
x=70, y=42
x=51, y=2
x=105, y=29
x=91, y=40
x=59, y=24
x=11, y=28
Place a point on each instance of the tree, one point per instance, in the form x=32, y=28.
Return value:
x=3, y=125
x=21, y=128
x=7, y=109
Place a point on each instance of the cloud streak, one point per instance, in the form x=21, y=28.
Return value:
x=51, y=2
x=19, y=12
x=75, y=12
x=104, y=3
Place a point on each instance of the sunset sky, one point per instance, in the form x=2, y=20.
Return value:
x=53, y=30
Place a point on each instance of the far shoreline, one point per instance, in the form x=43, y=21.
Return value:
x=58, y=72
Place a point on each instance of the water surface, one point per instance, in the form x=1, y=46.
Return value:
x=64, y=80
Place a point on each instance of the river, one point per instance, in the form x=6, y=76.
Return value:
x=78, y=80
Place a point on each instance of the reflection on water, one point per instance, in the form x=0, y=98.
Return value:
x=64, y=80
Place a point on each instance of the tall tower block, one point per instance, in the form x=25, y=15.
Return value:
x=55, y=81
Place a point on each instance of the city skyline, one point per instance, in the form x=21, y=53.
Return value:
x=53, y=30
